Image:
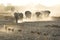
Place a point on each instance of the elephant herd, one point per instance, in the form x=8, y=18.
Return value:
x=28, y=14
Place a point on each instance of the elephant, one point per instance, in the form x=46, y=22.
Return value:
x=28, y=14
x=16, y=17
x=38, y=14
x=20, y=16
x=46, y=13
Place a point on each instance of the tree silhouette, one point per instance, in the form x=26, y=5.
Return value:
x=28, y=14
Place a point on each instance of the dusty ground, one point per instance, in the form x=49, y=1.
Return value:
x=31, y=31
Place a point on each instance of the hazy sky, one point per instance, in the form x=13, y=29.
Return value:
x=25, y=2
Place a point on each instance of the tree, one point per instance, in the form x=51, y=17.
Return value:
x=28, y=14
